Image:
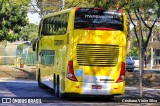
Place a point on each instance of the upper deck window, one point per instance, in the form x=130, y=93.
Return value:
x=98, y=19
x=55, y=25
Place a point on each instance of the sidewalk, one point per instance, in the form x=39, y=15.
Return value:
x=13, y=72
x=28, y=68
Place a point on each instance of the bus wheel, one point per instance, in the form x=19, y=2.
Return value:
x=61, y=95
x=40, y=84
x=54, y=85
x=57, y=89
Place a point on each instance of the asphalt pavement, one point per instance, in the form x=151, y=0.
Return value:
x=10, y=87
x=19, y=91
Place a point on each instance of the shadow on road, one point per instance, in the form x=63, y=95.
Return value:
x=29, y=75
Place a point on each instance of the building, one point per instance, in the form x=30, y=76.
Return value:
x=155, y=54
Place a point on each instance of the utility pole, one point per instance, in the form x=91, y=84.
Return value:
x=140, y=55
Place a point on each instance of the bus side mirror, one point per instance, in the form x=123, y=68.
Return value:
x=34, y=46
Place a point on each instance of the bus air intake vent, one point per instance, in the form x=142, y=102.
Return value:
x=97, y=55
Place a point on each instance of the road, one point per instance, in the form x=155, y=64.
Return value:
x=15, y=85
x=22, y=89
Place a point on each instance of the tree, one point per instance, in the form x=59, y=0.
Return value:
x=13, y=16
x=148, y=9
x=156, y=32
x=44, y=7
x=29, y=32
x=144, y=10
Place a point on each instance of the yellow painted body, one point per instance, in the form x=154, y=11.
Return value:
x=67, y=50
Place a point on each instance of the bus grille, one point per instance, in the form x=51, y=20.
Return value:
x=97, y=55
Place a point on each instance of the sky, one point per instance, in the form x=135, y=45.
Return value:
x=33, y=18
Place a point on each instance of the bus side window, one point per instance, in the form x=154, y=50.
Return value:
x=47, y=57
x=55, y=25
x=43, y=28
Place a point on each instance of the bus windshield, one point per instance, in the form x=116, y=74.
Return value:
x=98, y=19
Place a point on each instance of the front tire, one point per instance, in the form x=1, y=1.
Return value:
x=40, y=84
x=56, y=88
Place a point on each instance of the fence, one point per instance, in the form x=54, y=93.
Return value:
x=29, y=59
x=10, y=56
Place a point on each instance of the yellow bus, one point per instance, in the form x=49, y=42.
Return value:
x=82, y=51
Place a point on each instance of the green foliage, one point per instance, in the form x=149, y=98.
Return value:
x=149, y=8
x=51, y=6
x=29, y=32
x=156, y=33
x=13, y=16
x=21, y=47
x=136, y=9
x=129, y=5
x=3, y=44
x=77, y=3
x=107, y=4
x=134, y=51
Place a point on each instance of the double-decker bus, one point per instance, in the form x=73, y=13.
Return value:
x=82, y=51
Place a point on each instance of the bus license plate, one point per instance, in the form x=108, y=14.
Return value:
x=96, y=86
